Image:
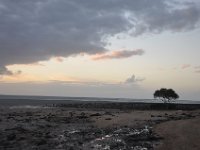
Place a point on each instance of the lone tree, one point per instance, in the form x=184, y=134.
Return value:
x=166, y=95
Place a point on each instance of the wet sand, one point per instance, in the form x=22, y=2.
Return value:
x=63, y=128
x=179, y=135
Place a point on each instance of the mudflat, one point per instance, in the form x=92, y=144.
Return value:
x=96, y=129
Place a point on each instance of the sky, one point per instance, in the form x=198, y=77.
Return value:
x=104, y=48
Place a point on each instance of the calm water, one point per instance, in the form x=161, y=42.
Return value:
x=42, y=100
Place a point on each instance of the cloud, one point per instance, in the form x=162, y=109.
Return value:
x=184, y=66
x=5, y=71
x=36, y=64
x=197, y=69
x=85, y=83
x=117, y=54
x=80, y=88
x=77, y=90
x=59, y=59
x=37, y=30
x=133, y=79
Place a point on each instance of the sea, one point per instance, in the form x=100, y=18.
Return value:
x=33, y=101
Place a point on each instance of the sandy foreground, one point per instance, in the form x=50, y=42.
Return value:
x=59, y=128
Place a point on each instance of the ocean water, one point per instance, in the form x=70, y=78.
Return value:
x=16, y=100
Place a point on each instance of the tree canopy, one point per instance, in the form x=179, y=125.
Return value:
x=166, y=95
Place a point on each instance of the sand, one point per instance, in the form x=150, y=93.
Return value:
x=179, y=135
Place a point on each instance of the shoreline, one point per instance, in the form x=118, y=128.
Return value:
x=100, y=104
x=66, y=99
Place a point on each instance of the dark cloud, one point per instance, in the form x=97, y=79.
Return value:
x=5, y=71
x=39, y=29
x=118, y=54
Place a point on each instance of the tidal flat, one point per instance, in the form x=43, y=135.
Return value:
x=68, y=128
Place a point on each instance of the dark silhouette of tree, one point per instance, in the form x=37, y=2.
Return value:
x=166, y=95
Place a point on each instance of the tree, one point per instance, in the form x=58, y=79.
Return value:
x=166, y=95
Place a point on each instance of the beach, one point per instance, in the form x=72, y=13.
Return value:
x=78, y=128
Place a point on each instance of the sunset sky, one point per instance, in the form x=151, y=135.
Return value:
x=100, y=48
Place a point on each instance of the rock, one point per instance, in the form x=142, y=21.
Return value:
x=11, y=137
x=95, y=115
x=18, y=128
x=82, y=117
x=41, y=142
x=183, y=114
x=29, y=114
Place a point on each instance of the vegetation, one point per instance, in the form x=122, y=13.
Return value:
x=166, y=95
